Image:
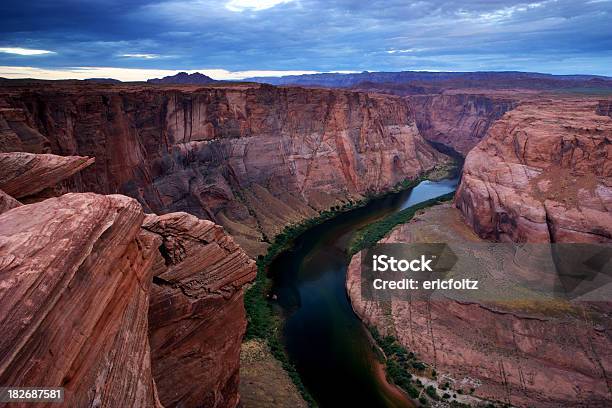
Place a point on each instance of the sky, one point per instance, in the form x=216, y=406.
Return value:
x=233, y=39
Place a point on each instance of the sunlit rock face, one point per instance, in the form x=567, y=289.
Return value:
x=252, y=158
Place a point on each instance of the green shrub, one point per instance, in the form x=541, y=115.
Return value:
x=417, y=365
x=431, y=391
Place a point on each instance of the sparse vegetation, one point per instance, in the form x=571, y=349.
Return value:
x=374, y=232
x=265, y=324
x=398, y=364
x=431, y=391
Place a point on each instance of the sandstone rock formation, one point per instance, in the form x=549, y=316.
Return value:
x=76, y=273
x=7, y=202
x=116, y=312
x=458, y=121
x=543, y=173
x=528, y=355
x=25, y=174
x=197, y=317
x=251, y=158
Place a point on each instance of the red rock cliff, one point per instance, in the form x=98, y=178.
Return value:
x=251, y=158
x=197, y=317
x=526, y=354
x=76, y=277
x=459, y=121
x=543, y=173
x=118, y=313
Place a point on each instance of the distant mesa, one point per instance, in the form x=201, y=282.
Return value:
x=183, y=78
x=103, y=80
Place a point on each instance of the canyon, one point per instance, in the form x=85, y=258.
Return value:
x=541, y=174
x=134, y=212
x=200, y=165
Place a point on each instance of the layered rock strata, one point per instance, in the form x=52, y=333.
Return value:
x=24, y=174
x=542, y=174
x=252, y=158
x=76, y=276
x=526, y=354
x=197, y=317
x=459, y=121
x=116, y=311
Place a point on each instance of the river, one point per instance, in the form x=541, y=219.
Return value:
x=325, y=340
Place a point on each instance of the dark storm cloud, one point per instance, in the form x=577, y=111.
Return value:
x=549, y=36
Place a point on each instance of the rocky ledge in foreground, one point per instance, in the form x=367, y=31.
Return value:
x=545, y=355
x=543, y=173
x=76, y=273
x=77, y=277
x=197, y=318
x=25, y=174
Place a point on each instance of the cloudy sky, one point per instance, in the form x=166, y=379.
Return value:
x=230, y=39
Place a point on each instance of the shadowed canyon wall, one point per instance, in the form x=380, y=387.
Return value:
x=458, y=121
x=250, y=158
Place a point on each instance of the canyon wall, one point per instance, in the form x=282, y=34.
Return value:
x=542, y=174
x=251, y=158
x=546, y=354
x=459, y=121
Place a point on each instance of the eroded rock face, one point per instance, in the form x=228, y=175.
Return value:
x=547, y=355
x=7, y=202
x=76, y=273
x=24, y=174
x=458, y=121
x=543, y=173
x=115, y=311
x=251, y=158
x=197, y=317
